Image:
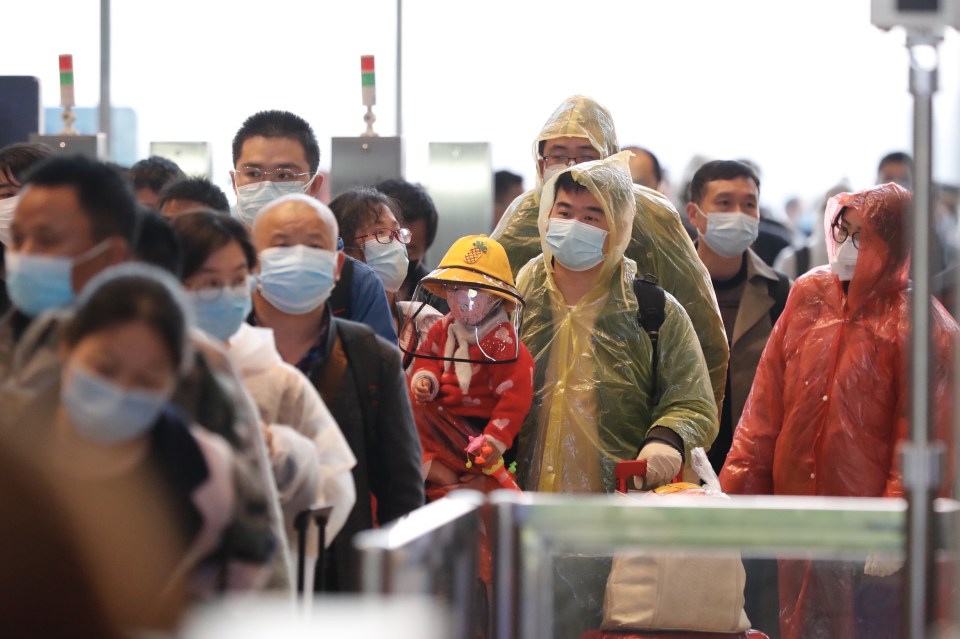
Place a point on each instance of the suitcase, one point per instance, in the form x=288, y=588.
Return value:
x=623, y=472
x=317, y=515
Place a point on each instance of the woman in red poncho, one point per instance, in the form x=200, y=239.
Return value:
x=829, y=403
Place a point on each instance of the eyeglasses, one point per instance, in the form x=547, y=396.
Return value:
x=553, y=160
x=840, y=235
x=385, y=236
x=212, y=289
x=253, y=174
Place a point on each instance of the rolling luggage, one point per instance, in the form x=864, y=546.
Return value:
x=679, y=595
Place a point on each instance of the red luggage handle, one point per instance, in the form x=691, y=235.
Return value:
x=633, y=468
x=627, y=469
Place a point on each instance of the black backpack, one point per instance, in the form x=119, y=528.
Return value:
x=651, y=305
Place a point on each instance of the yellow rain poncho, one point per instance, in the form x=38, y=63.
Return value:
x=658, y=242
x=592, y=384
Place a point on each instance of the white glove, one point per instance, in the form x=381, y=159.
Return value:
x=881, y=566
x=663, y=463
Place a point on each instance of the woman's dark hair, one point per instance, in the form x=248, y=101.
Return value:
x=138, y=295
x=359, y=207
x=203, y=233
x=17, y=159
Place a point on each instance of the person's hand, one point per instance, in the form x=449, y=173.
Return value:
x=470, y=481
x=441, y=475
x=663, y=463
x=421, y=390
x=881, y=566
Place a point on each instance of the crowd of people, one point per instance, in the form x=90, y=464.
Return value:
x=180, y=379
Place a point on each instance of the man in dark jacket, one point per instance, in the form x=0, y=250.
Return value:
x=357, y=373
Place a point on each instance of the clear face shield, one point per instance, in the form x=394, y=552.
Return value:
x=484, y=319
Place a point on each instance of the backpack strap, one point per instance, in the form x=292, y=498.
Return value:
x=335, y=370
x=341, y=297
x=779, y=291
x=651, y=303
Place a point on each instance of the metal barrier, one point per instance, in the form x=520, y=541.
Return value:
x=431, y=551
x=528, y=529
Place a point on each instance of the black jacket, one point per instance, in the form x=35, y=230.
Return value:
x=372, y=408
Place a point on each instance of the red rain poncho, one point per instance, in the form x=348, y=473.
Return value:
x=829, y=402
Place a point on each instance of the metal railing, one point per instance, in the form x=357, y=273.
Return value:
x=434, y=550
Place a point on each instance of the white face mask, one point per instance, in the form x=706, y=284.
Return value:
x=251, y=198
x=730, y=234
x=550, y=171
x=7, y=207
x=845, y=262
x=388, y=261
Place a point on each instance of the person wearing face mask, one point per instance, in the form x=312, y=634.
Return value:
x=276, y=153
x=118, y=444
x=76, y=218
x=472, y=377
x=357, y=373
x=599, y=396
x=724, y=208
x=15, y=161
x=581, y=130
x=828, y=406
x=594, y=400
x=311, y=459
x=419, y=214
x=372, y=232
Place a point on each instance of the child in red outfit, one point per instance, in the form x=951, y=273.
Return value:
x=472, y=376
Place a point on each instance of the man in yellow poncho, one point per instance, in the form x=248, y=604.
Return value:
x=581, y=130
x=594, y=398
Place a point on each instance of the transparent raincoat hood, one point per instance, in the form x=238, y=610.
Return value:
x=657, y=241
x=592, y=404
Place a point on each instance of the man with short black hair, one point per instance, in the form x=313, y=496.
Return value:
x=149, y=176
x=192, y=194
x=724, y=207
x=896, y=167
x=645, y=167
x=276, y=153
x=507, y=186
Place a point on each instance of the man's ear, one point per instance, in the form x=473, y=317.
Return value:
x=314, y=190
x=63, y=352
x=341, y=258
x=692, y=214
x=233, y=181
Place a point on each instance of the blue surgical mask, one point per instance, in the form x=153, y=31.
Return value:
x=388, y=261
x=730, y=234
x=38, y=283
x=576, y=245
x=251, y=198
x=105, y=413
x=297, y=279
x=221, y=311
